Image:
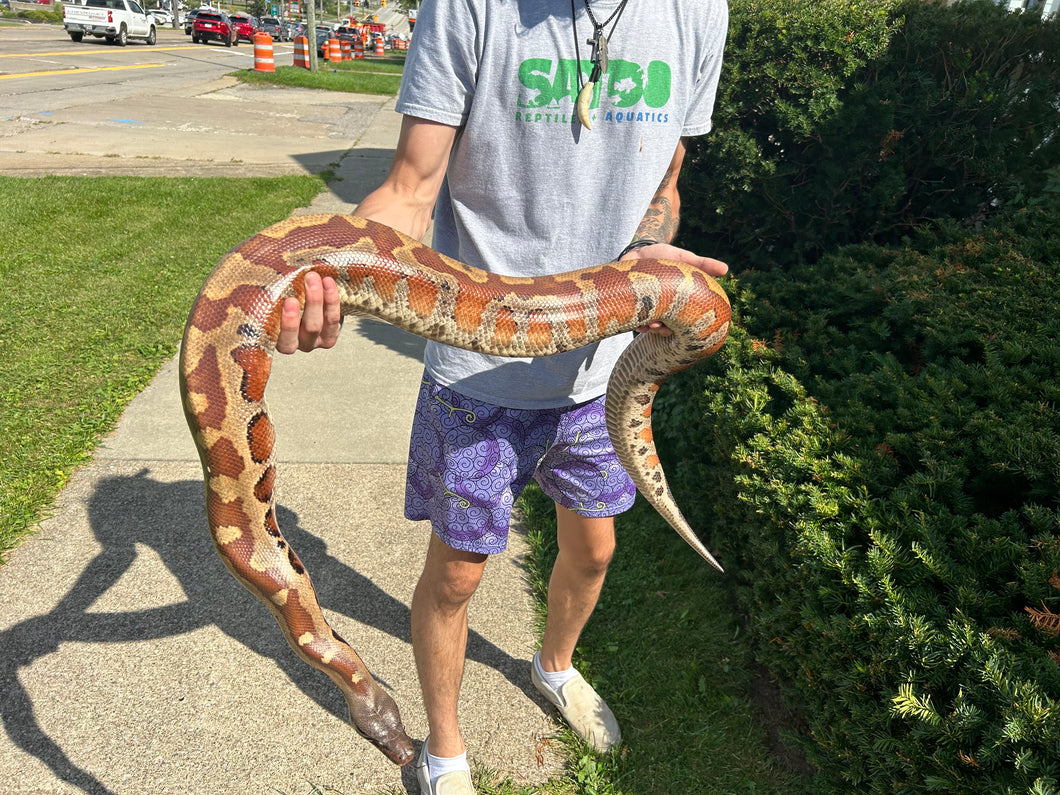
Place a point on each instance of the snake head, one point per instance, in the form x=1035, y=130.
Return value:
x=397, y=748
x=379, y=722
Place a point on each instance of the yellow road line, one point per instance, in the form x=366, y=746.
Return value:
x=83, y=52
x=80, y=71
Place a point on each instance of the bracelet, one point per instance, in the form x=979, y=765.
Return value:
x=635, y=245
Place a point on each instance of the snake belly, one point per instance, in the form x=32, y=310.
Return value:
x=227, y=352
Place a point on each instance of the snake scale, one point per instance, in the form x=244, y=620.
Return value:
x=232, y=331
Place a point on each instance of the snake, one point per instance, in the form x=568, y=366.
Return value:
x=231, y=335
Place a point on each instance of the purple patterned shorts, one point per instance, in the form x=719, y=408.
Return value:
x=469, y=461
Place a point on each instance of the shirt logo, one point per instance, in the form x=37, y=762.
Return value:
x=627, y=92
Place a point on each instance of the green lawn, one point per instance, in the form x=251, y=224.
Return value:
x=101, y=274
x=668, y=653
x=382, y=77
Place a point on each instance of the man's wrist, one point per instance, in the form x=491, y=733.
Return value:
x=635, y=245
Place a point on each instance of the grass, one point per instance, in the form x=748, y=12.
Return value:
x=666, y=649
x=381, y=76
x=101, y=274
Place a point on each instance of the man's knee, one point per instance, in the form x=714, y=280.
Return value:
x=450, y=576
x=587, y=543
x=456, y=586
x=592, y=559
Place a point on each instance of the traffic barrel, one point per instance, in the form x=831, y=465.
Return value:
x=358, y=48
x=263, y=60
x=379, y=45
x=334, y=50
x=347, y=52
x=301, y=51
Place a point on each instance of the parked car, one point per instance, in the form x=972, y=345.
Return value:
x=213, y=26
x=246, y=26
x=323, y=34
x=189, y=19
x=276, y=28
x=162, y=18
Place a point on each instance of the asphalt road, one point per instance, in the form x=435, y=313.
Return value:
x=94, y=109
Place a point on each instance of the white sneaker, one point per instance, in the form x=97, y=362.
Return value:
x=455, y=783
x=583, y=709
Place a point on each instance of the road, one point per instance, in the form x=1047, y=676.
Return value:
x=170, y=109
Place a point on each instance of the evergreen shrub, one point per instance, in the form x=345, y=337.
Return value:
x=874, y=456
x=841, y=122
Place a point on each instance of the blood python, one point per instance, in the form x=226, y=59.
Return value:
x=227, y=352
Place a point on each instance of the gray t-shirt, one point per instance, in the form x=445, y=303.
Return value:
x=528, y=190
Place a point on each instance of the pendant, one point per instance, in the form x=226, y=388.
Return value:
x=599, y=52
x=599, y=59
x=585, y=96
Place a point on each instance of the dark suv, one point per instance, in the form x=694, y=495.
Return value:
x=213, y=26
x=325, y=33
x=189, y=20
x=275, y=28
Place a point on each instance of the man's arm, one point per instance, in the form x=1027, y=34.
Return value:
x=660, y=224
x=661, y=219
x=404, y=201
x=406, y=198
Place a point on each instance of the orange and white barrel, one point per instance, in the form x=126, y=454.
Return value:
x=334, y=50
x=347, y=50
x=301, y=51
x=263, y=60
x=379, y=45
x=358, y=48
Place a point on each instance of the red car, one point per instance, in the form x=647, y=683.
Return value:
x=213, y=26
x=246, y=26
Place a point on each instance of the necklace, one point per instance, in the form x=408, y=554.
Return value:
x=598, y=56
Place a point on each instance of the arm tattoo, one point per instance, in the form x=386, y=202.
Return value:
x=660, y=221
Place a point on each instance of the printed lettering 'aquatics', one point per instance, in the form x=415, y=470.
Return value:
x=634, y=93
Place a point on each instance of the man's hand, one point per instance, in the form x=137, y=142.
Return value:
x=713, y=267
x=318, y=325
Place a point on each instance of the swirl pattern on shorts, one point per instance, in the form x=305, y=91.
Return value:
x=465, y=477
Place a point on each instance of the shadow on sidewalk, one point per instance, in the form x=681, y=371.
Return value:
x=358, y=172
x=170, y=519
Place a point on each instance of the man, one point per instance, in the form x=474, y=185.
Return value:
x=494, y=146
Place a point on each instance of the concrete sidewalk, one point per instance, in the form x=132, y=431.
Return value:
x=132, y=662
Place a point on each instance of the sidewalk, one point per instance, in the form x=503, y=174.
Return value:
x=132, y=662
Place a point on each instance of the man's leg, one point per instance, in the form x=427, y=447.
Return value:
x=586, y=545
x=585, y=548
x=439, y=637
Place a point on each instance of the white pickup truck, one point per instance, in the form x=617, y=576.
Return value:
x=117, y=21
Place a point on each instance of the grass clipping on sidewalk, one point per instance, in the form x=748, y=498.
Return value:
x=100, y=276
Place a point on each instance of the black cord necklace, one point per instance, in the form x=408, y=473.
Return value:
x=598, y=56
